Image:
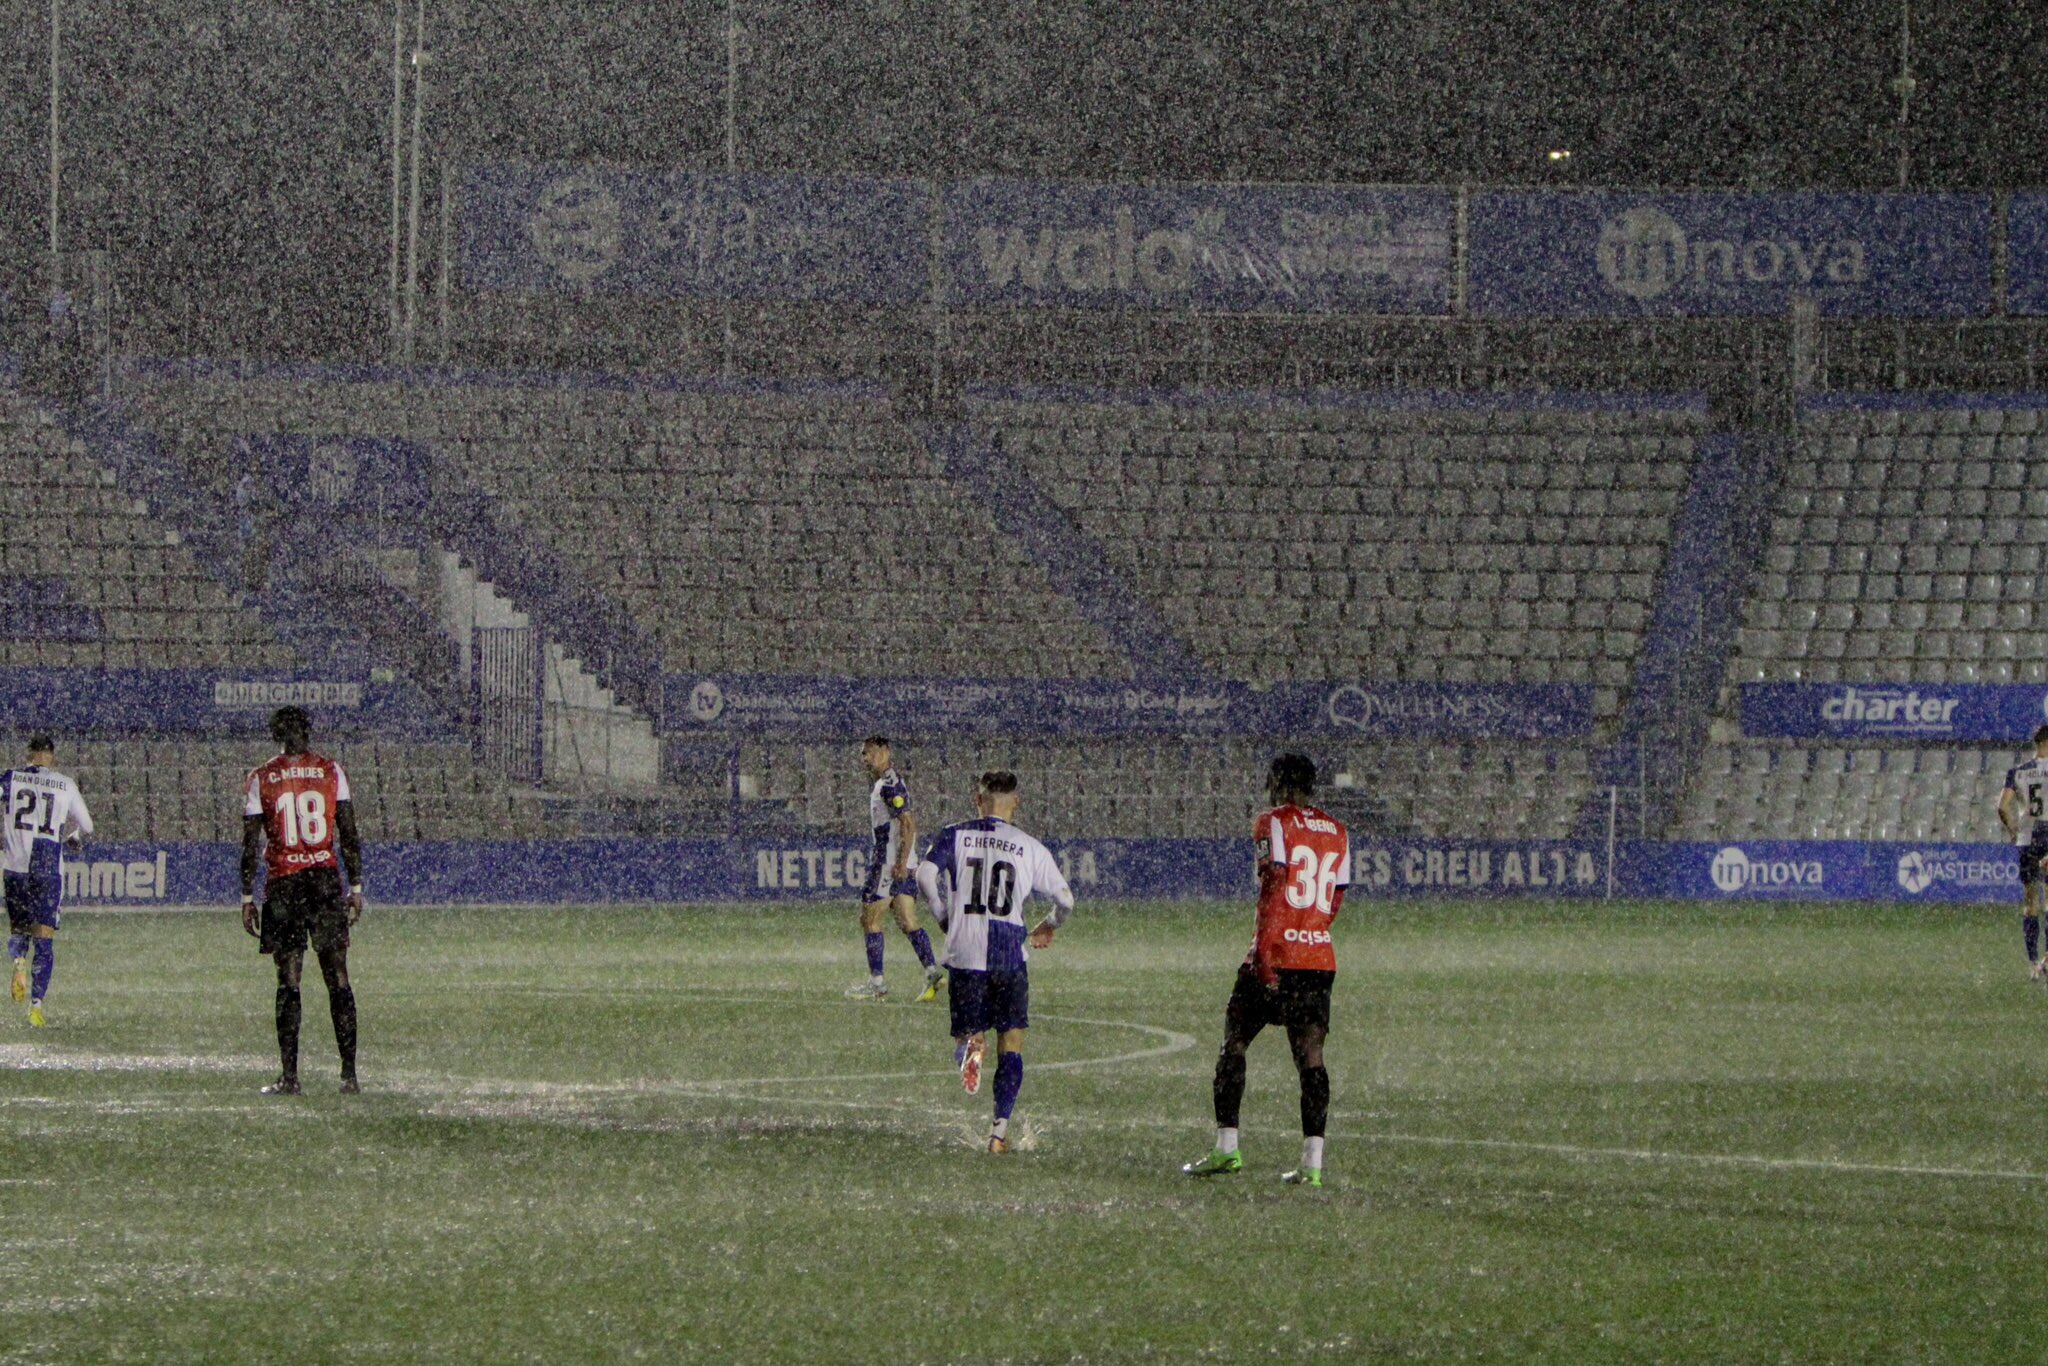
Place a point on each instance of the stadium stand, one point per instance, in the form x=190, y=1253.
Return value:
x=829, y=538
x=1906, y=547
x=1177, y=790
x=173, y=790
x=1455, y=541
x=1443, y=543
x=137, y=597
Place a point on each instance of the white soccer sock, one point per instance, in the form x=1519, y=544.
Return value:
x=877, y=978
x=1226, y=1140
x=999, y=1129
x=1312, y=1153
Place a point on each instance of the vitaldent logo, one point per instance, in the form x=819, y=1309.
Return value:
x=1890, y=708
x=1733, y=870
x=575, y=227
x=1645, y=254
x=1921, y=869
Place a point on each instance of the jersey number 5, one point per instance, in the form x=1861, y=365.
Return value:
x=1315, y=878
x=304, y=817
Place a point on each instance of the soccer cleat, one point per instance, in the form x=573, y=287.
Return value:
x=970, y=1065
x=35, y=1015
x=998, y=1145
x=1307, y=1176
x=2036, y=971
x=283, y=1086
x=1217, y=1163
x=351, y=1087
x=933, y=976
x=20, y=991
x=868, y=991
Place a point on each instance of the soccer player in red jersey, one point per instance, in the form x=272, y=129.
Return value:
x=297, y=815
x=1304, y=863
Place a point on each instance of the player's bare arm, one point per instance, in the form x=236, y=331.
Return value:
x=352, y=855
x=2005, y=817
x=906, y=825
x=252, y=852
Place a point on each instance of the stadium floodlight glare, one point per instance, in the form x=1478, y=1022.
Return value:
x=1560, y=154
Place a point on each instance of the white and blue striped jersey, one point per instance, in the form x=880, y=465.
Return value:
x=2028, y=779
x=41, y=807
x=888, y=801
x=976, y=879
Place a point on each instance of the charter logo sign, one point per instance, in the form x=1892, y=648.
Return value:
x=1846, y=711
x=1735, y=872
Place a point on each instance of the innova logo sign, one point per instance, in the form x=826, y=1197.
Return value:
x=1734, y=870
x=1645, y=253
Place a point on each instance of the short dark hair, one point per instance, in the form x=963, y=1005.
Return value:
x=1293, y=772
x=41, y=743
x=997, y=781
x=2041, y=735
x=290, y=723
x=875, y=742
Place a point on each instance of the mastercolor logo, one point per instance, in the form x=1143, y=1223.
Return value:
x=1734, y=870
x=1921, y=869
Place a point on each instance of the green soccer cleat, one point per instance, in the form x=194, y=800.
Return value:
x=35, y=1015
x=934, y=976
x=1217, y=1163
x=1307, y=1176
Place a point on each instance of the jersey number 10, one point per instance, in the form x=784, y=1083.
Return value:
x=991, y=887
x=304, y=818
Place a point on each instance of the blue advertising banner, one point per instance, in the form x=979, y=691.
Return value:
x=2026, y=254
x=604, y=872
x=1221, y=248
x=197, y=702
x=1912, y=711
x=843, y=708
x=600, y=872
x=1820, y=871
x=1606, y=254
x=686, y=234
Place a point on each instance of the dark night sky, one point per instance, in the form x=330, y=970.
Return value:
x=232, y=155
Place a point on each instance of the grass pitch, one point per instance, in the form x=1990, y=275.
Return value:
x=1558, y=1132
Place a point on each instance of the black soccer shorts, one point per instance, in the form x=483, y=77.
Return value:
x=304, y=906
x=1299, y=1000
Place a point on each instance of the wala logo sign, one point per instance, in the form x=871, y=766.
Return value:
x=1735, y=871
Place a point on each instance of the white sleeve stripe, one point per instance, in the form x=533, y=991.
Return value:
x=1278, y=842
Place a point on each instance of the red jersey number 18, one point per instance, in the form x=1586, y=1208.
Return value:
x=302, y=816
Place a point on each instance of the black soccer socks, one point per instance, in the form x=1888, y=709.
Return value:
x=341, y=1004
x=1229, y=1088
x=2030, y=926
x=288, y=1028
x=1315, y=1101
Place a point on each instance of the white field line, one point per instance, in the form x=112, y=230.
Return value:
x=30, y=1057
